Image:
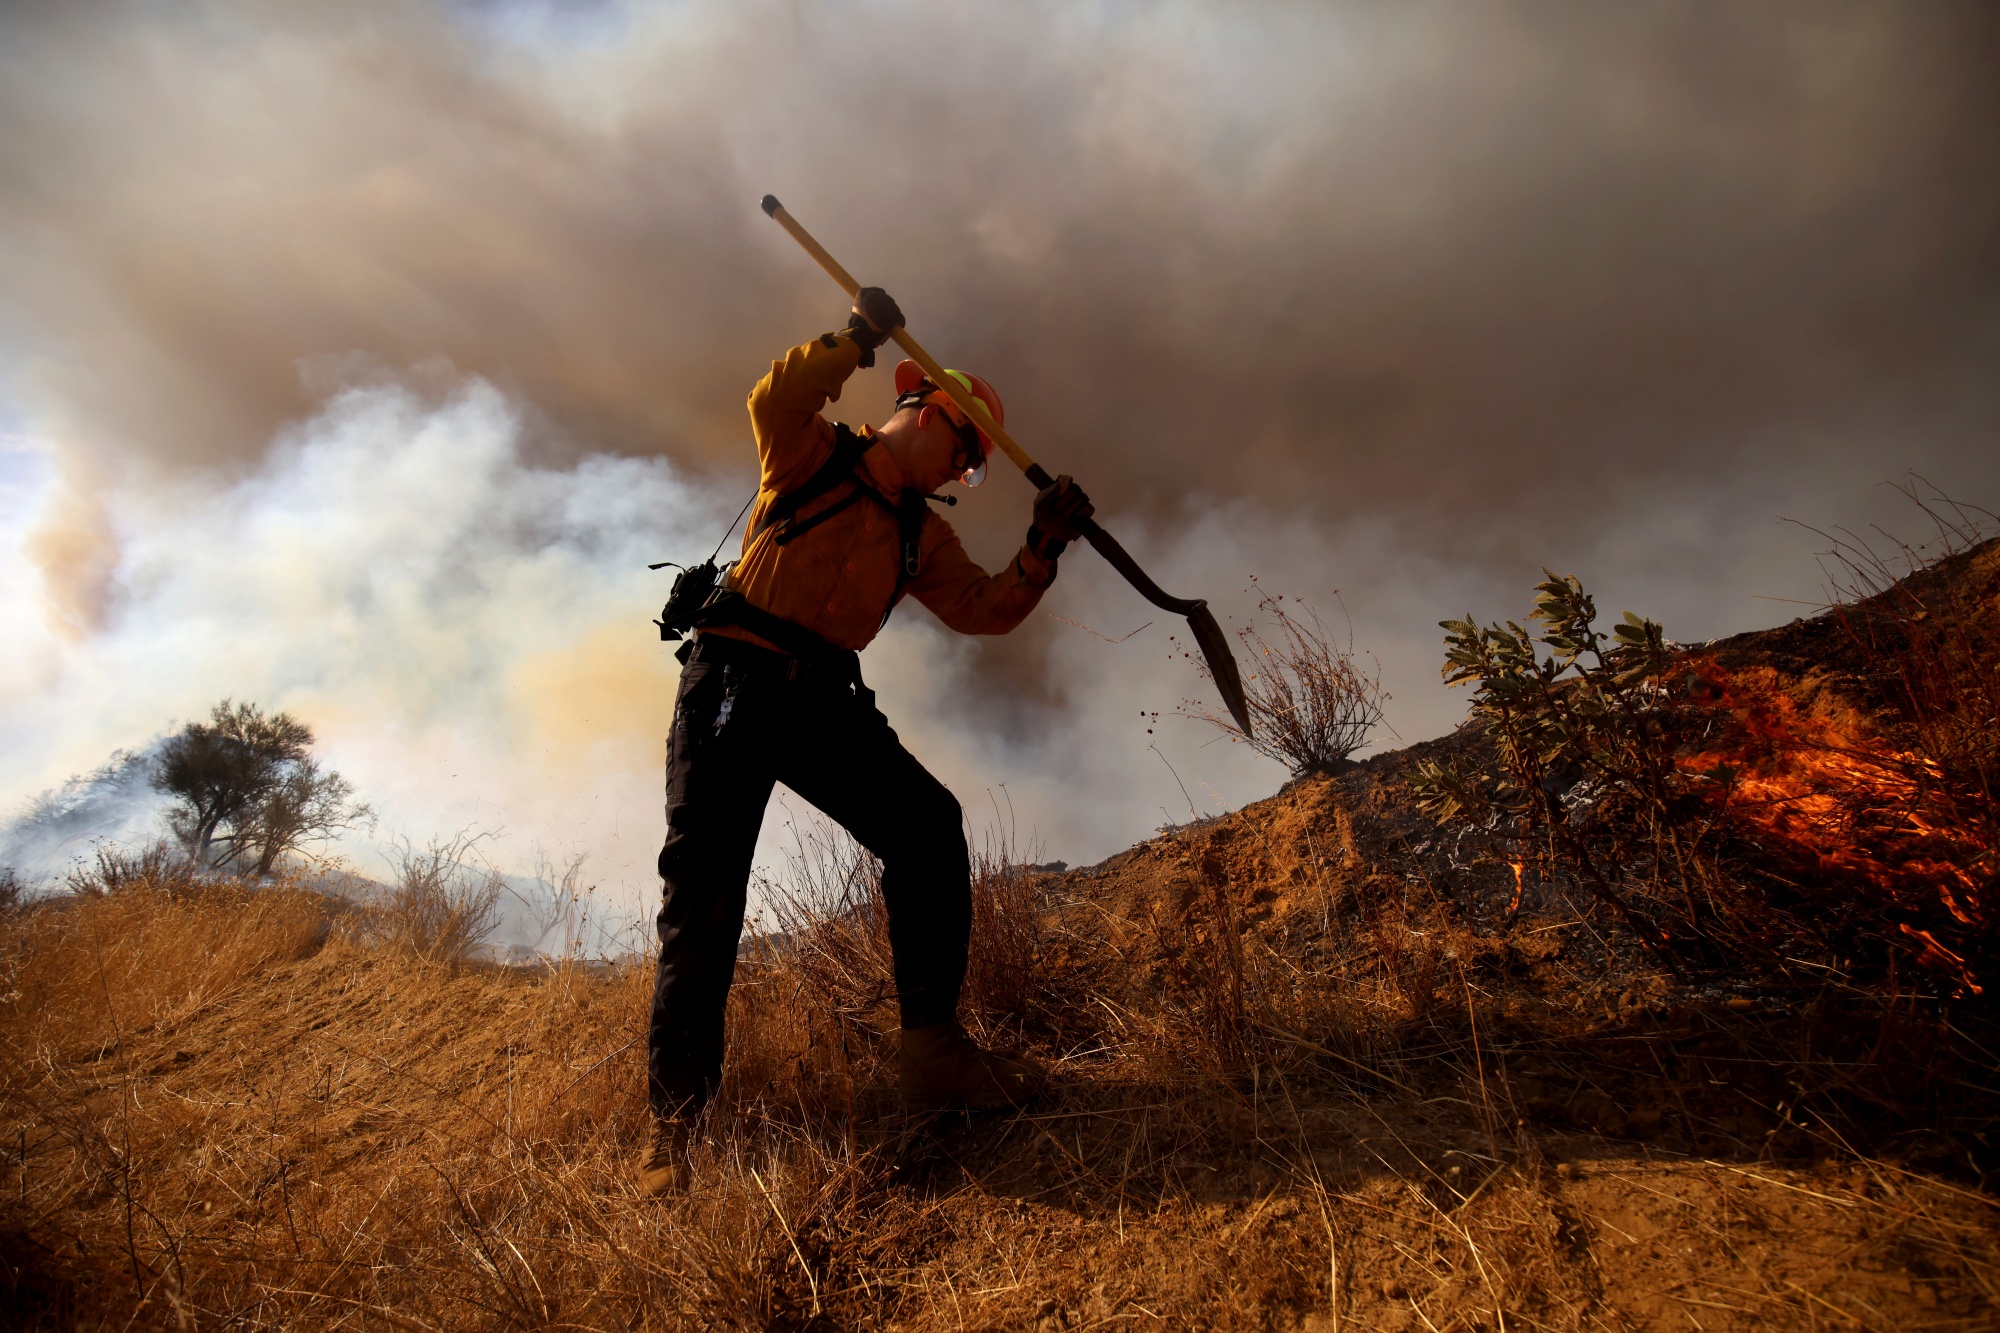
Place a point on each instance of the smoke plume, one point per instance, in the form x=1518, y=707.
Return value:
x=360, y=357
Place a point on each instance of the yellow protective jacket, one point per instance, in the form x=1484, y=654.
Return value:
x=837, y=579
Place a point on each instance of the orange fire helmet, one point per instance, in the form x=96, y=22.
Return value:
x=914, y=389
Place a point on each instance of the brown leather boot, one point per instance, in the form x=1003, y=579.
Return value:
x=667, y=1168
x=943, y=1068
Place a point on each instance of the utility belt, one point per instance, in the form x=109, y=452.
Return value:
x=806, y=657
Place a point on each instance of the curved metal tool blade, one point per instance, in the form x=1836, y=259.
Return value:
x=1221, y=663
x=1207, y=634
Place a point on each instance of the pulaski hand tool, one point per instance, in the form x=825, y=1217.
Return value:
x=1208, y=634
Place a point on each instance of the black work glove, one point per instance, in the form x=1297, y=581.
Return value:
x=875, y=314
x=1061, y=510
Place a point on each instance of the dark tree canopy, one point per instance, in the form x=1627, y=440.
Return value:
x=247, y=789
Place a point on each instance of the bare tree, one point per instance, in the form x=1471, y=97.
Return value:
x=1311, y=705
x=309, y=804
x=247, y=789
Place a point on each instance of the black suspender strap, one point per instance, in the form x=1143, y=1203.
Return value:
x=728, y=607
x=839, y=467
x=910, y=513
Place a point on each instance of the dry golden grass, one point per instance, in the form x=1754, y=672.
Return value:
x=1318, y=1065
x=1293, y=1092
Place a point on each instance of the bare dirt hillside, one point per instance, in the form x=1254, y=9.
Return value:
x=1324, y=1063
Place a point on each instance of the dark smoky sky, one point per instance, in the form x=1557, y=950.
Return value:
x=1485, y=262
x=1499, y=284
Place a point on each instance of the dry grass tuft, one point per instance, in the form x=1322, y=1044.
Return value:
x=112, y=868
x=1312, y=704
x=443, y=904
x=88, y=969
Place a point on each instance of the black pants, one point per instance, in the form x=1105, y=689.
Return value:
x=742, y=725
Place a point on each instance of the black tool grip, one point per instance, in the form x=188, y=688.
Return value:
x=1207, y=634
x=1107, y=546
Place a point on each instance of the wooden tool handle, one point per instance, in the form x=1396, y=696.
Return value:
x=776, y=212
x=1214, y=645
x=975, y=411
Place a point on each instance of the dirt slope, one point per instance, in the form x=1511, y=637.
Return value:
x=1309, y=1075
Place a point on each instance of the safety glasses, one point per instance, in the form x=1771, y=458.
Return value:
x=969, y=459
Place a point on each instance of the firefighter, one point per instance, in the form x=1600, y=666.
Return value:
x=770, y=691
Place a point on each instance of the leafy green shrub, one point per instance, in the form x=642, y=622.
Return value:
x=1716, y=814
x=1587, y=785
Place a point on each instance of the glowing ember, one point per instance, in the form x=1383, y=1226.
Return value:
x=1843, y=807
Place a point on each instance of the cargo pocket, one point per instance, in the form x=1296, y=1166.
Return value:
x=700, y=698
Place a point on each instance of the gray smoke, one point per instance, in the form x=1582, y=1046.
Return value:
x=1405, y=301
x=114, y=805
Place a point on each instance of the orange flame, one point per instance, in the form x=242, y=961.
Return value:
x=1817, y=784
